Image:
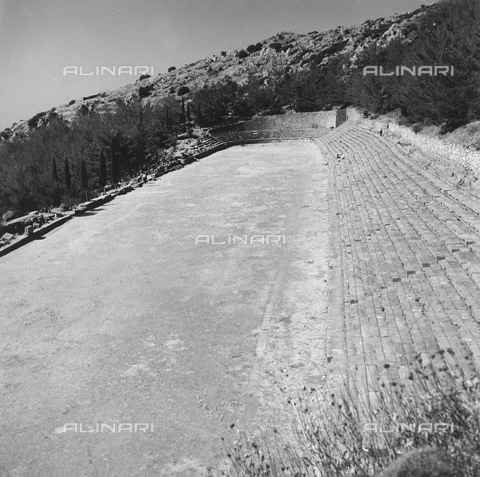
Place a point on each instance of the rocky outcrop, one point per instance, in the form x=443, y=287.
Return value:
x=291, y=50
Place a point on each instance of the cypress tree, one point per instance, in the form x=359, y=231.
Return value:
x=114, y=164
x=68, y=176
x=54, y=170
x=84, y=178
x=102, y=180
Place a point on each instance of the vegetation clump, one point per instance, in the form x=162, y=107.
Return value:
x=426, y=426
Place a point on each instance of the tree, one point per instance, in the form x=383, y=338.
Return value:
x=54, y=170
x=183, y=90
x=183, y=115
x=84, y=178
x=56, y=193
x=102, y=178
x=68, y=176
x=68, y=180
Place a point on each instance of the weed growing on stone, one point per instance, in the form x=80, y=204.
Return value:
x=427, y=425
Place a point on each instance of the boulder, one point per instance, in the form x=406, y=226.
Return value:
x=6, y=237
x=62, y=208
x=8, y=215
x=426, y=462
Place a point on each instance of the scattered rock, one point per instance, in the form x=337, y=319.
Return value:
x=8, y=215
x=7, y=237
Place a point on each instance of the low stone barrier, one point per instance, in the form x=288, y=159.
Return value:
x=24, y=239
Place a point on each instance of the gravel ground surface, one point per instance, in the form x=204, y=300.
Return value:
x=119, y=317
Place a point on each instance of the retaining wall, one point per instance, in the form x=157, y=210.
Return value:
x=35, y=234
x=319, y=119
x=452, y=161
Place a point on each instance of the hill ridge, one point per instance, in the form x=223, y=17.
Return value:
x=292, y=51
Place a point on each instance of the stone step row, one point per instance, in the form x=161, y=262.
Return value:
x=408, y=262
x=460, y=237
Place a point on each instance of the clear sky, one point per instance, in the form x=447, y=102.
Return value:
x=38, y=38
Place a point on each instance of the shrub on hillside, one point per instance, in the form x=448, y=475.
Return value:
x=32, y=122
x=403, y=121
x=143, y=91
x=172, y=68
x=242, y=54
x=417, y=127
x=275, y=46
x=183, y=90
x=251, y=48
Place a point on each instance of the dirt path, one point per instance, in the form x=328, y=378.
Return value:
x=119, y=317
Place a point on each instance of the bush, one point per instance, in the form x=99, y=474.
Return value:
x=258, y=46
x=32, y=122
x=143, y=91
x=183, y=90
x=275, y=46
x=223, y=53
x=403, y=121
x=251, y=48
x=172, y=68
x=417, y=127
x=242, y=54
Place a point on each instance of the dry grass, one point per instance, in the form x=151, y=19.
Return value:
x=436, y=411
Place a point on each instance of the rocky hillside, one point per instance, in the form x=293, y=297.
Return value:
x=287, y=50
